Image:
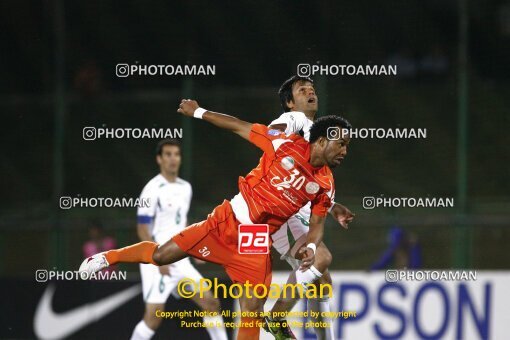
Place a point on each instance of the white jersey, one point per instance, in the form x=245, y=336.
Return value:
x=297, y=122
x=168, y=208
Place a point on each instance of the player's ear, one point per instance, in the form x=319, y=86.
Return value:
x=322, y=141
x=158, y=159
x=290, y=105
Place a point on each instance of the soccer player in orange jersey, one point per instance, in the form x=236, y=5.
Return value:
x=291, y=172
x=299, y=101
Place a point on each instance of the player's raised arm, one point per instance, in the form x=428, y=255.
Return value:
x=192, y=109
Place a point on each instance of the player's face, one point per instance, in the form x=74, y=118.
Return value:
x=170, y=159
x=305, y=98
x=335, y=151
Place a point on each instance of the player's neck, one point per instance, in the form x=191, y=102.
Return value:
x=310, y=115
x=170, y=177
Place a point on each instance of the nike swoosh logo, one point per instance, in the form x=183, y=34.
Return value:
x=50, y=325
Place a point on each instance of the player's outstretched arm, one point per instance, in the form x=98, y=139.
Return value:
x=314, y=238
x=342, y=214
x=236, y=125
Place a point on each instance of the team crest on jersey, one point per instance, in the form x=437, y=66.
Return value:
x=312, y=188
x=273, y=132
x=287, y=163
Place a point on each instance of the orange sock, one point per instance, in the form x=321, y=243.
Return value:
x=139, y=252
x=250, y=328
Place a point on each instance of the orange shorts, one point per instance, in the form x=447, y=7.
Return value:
x=215, y=240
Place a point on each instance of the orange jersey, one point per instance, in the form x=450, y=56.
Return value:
x=283, y=182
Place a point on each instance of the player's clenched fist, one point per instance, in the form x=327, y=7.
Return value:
x=188, y=107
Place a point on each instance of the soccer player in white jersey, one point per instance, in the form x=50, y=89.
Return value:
x=300, y=103
x=169, y=198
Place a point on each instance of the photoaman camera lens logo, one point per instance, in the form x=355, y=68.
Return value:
x=89, y=133
x=333, y=133
x=304, y=70
x=66, y=202
x=41, y=275
x=122, y=70
x=368, y=202
x=392, y=275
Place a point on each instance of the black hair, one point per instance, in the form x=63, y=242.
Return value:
x=285, y=91
x=321, y=125
x=168, y=141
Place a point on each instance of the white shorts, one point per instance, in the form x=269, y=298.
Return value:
x=157, y=288
x=285, y=237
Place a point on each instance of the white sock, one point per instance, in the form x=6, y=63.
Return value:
x=308, y=276
x=320, y=305
x=216, y=332
x=142, y=332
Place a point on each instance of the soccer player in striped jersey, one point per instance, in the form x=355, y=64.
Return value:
x=291, y=172
x=170, y=198
x=300, y=104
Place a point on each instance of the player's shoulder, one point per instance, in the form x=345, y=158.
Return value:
x=293, y=116
x=326, y=178
x=325, y=171
x=293, y=141
x=155, y=183
x=299, y=143
x=183, y=182
x=266, y=131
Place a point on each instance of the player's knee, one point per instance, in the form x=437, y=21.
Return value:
x=211, y=304
x=325, y=279
x=251, y=305
x=152, y=320
x=153, y=323
x=324, y=258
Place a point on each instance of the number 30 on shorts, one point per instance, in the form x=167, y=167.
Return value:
x=204, y=252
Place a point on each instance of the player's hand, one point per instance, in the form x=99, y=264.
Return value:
x=164, y=270
x=342, y=215
x=308, y=258
x=188, y=107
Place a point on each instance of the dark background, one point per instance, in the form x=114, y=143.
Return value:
x=58, y=76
